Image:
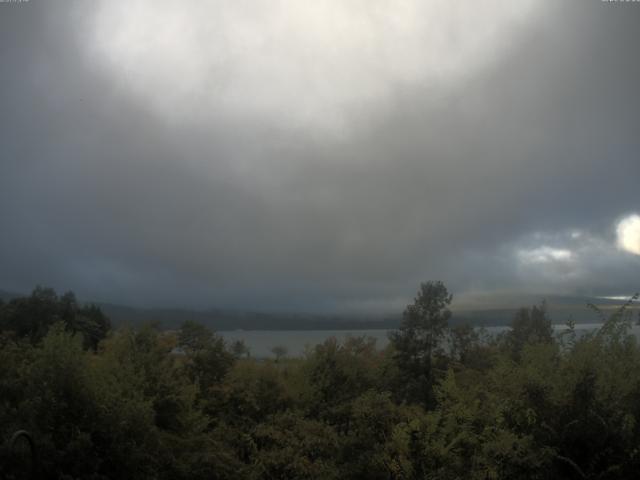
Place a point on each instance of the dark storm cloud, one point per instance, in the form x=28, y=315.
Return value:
x=510, y=176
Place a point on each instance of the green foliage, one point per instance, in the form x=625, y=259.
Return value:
x=252, y=392
x=529, y=326
x=208, y=359
x=148, y=404
x=465, y=437
x=292, y=447
x=279, y=351
x=464, y=342
x=31, y=317
x=337, y=374
x=423, y=327
x=240, y=349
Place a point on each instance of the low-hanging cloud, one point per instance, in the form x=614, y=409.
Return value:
x=261, y=161
x=308, y=66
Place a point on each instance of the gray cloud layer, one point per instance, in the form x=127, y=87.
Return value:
x=258, y=197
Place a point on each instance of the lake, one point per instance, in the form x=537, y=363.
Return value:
x=260, y=342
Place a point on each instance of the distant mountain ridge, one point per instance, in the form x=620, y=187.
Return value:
x=497, y=310
x=560, y=308
x=223, y=320
x=480, y=310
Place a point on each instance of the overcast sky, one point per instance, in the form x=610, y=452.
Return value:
x=319, y=155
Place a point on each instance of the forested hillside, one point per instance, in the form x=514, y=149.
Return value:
x=143, y=403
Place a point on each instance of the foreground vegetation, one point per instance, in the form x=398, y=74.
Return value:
x=438, y=403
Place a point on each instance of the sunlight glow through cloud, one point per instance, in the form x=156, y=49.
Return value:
x=628, y=232
x=545, y=255
x=298, y=64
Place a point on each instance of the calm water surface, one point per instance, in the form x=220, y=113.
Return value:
x=260, y=342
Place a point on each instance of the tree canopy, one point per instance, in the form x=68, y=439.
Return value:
x=151, y=404
x=424, y=323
